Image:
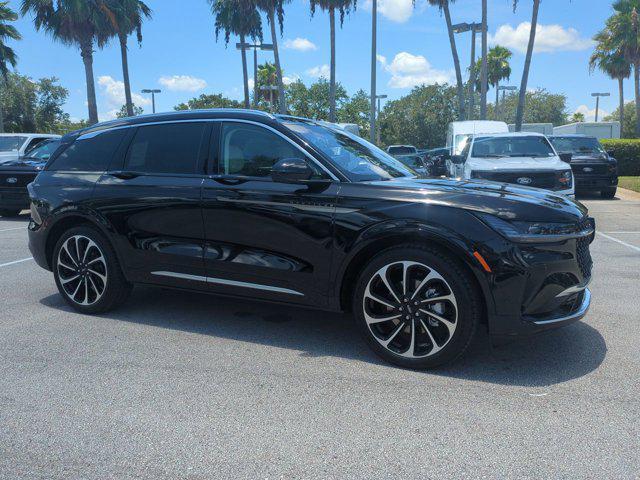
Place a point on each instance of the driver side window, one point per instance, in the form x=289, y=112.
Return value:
x=252, y=151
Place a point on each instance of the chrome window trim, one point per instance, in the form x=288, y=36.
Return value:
x=223, y=281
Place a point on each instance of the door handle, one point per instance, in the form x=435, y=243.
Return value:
x=228, y=179
x=124, y=175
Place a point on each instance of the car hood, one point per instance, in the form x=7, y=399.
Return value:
x=508, y=201
x=25, y=164
x=516, y=163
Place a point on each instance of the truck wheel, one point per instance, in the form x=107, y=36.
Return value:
x=608, y=193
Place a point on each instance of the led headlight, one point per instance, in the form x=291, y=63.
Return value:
x=565, y=179
x=535, y=232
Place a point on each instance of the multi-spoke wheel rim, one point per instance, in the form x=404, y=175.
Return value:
x=82, y=270
x=410, y=309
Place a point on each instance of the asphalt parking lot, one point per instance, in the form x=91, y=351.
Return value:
x=178, y=385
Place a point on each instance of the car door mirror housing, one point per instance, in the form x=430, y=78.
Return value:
x=457, y=159
x=566, y=157
x=291, y=170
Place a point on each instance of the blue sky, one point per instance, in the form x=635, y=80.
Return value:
x=179, y=53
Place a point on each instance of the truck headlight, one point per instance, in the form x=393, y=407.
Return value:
x=536, y=232
x=565, y=179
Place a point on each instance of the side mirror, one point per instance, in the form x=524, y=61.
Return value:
x=291, y=170
x=566, y=157
x=457, y=159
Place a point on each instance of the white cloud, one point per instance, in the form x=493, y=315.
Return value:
x=287, y=80
x=590, y=114
x=319, y=71
x=182, y=83
x=409, y=70
x=113, y=91
x=395, y=10
x=382, y=59
x=251, y=83
x=300, y=44
x=549, y=38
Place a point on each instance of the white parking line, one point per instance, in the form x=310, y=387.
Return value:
x=624, y=233
x=16, y=261
x=613, y=239
x=11, y=229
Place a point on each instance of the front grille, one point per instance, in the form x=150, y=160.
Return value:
x=583, y=256
x=591, y=169
x=21, y=179
x=535, y=179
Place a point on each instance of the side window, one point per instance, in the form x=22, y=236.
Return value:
x=92, y=154
x=172, y=148
x=465, y=150
x=251, y=151
x=33, y=143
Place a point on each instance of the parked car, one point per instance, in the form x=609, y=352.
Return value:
x=593, y=168
x=395, y=150
x=15, y=175
x=16, y=145
x=438, y=158
x=526, y=159
x=283, y=209
x=417, y=163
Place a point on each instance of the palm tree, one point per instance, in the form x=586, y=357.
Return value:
x=498, y=69
x=483, y=69
x=343, y=7
x=527, y=63
x=267, y=77
x=610, y=60
x=443, y=5
x=7, y=55
x=271, y=8
x=624, y=29
x=74, y=22
x=241, y=18
x=126, y=17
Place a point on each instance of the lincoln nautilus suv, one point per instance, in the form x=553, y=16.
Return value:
x=289, y=210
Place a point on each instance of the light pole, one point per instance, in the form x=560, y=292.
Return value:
x=504, y=89
x=153, y=92
x=372, y=114
x=255, y=47
x=378, y=98
x=598, y=95
x=270, y=89
x=473, y=28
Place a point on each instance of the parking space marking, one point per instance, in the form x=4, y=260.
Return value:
x=623, y=233
x=12, y=229
x=15, y=261
x=613, y=239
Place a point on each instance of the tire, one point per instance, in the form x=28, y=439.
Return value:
x=431, y=274
x=6, y=212
x=87, y=273
x=609, y=193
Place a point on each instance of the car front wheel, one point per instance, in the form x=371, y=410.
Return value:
x=87, y=272
x=417, y=307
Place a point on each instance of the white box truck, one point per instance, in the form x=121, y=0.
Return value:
x=599, y=130
x=543, y=128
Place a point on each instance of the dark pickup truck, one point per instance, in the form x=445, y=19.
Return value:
x=593, y=168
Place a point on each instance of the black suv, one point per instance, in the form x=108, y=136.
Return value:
x=593, y=168
x=290, y=210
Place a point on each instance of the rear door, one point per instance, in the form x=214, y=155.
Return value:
x=265, y=239
x=151, y=196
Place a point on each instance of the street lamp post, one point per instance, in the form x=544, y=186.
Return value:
x=473, y=28
x=255, y=47
x=153, y=92
x=378, y=98
x=372, y=114
x=504, y=89
x=598, y=95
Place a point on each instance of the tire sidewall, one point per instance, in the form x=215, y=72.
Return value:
x=466, y=301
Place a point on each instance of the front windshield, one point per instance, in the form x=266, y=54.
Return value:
x=359, y=160
x=11, y=143
x=44, y=150
x=516, y=146
x=577, y=145
x=411, y=161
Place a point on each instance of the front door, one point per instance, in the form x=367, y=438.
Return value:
x=266, y=239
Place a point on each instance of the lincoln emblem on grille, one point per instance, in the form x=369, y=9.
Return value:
x=12, y=180
x=524, y=180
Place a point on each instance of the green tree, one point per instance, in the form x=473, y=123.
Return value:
x=74, y=22
x=498, y=69
x=577, y=117
x=356, y=110
x=126, y=17
x=33, y=106
x=314, y=101
x=7, y=55
x=238, y=17
x=343, y=7
x=527, y=64
x=420, y=118
x=124, y=111
x=208, y=101
x=628, y=128
x=273, y=8
x=542, y=107
x=443, y=5
x=268, y=77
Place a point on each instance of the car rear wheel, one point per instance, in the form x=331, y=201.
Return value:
x=417, y=307
x=608, y=193
x=6, y=212
x=87, y=272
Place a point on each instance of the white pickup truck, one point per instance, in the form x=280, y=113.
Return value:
x=526, y=159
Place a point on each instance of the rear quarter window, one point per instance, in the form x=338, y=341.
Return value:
x=92, y=154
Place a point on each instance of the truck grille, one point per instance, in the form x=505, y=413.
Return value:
x=584, y=257
x=21, y=179
x=536, y=179
x=591, y=169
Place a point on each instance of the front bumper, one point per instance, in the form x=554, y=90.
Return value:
x=595, y=182
x=14, y=198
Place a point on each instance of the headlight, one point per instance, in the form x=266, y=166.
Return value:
x=565, y=179
x=536, y=232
